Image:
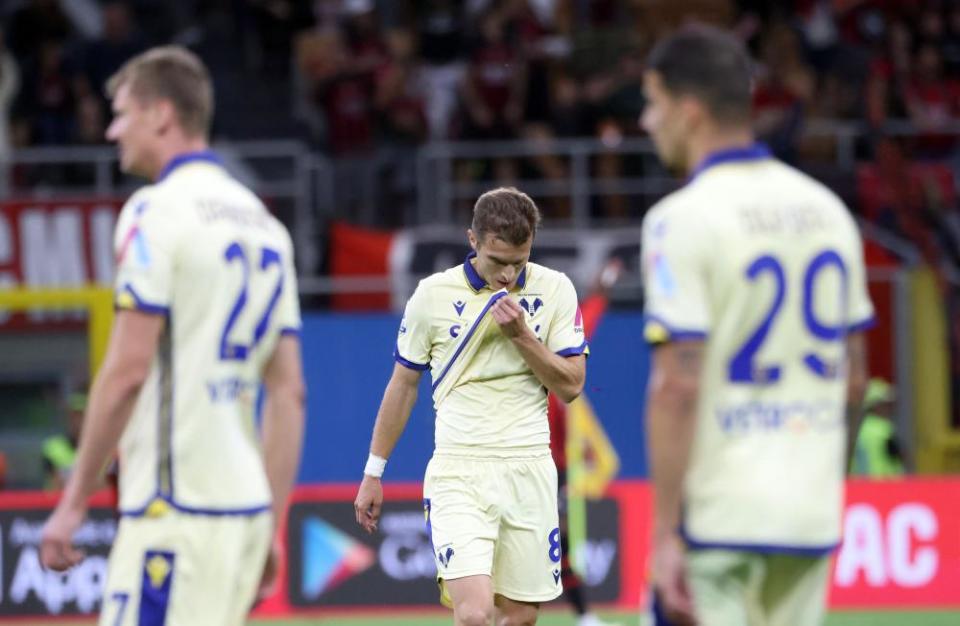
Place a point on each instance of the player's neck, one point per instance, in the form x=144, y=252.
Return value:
x=707, y=143
x=174, y=148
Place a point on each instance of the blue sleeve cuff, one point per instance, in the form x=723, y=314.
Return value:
x=127, y=299
x=289, y=331
x=419, y=367
x=656, y=331
x=866, y=324
x=575, y=351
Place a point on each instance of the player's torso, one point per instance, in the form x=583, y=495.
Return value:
x=195, y=416
x=778, y=298
x=498, y=402
x=771, y=409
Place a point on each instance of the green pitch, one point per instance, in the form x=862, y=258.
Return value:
x=915, y=618
x=551, y=618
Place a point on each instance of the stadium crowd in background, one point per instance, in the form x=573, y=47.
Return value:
x=367, y=82
x=376, y=74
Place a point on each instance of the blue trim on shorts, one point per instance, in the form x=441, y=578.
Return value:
x=760, y=548
x=158, y=569
x=426, y=516
x=242, y=511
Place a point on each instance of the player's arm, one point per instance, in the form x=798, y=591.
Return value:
x=671, y=424
x=562, y=375
x=671, y=411
x=283, y=420
x=395, y=407
x=857, y=380
x=130, y=353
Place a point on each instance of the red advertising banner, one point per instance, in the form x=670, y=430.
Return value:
x=63, y=243
x=901, y=545
x=901, y=550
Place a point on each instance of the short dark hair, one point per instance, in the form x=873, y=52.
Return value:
x=709, y=64
x=506, y=213
x=173, y=73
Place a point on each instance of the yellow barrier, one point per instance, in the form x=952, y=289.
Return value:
x=938, y=446
x=97, y=301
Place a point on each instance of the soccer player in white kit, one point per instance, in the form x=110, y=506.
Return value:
x=497, y=332
x=207, y=312
x=756, y=303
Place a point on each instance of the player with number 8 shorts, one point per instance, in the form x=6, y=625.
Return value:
x=207, y=312
x=497, y=332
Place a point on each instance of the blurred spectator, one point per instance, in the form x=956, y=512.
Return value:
x=274, y=24
x=9, y=86
x=34, y=23
x=878, y=453
x=340, y=67
x=930, y=26
x=345, y=98
x=91, y=122
x=60, y=451
x=48, y=95
x=783, y=90
x=104, y=56
x=951, y=43
x=441, y=25
x=494, y=89
x=400, y=97
x=400, y=105
x=933, y=101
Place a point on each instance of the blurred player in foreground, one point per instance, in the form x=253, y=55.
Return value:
x=497, y=333
x=756, y=301
x=592, y=310
x=207, y=310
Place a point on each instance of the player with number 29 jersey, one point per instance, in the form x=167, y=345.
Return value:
x=202, y=249
x=766, y=265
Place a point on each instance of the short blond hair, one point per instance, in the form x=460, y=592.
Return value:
x=170, y=73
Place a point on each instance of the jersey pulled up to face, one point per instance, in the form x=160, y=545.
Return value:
x=202, y=250
x=766, y=265
x=497, y=403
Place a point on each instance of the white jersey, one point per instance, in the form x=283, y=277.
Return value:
x=766, y=265
x=201, y=249
x=497, y=403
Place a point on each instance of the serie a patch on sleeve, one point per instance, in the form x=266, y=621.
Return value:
x=655, y=332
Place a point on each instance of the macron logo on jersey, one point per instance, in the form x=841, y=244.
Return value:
x=578, y=321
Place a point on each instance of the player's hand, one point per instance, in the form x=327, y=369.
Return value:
x=56, y=540
x=368, y=503
x=670, y=580
x=510, y=316
x=271, y=569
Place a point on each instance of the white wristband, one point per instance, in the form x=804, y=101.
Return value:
x=375, y=465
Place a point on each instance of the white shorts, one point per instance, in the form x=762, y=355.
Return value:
x=496, y=517
x=185, y=570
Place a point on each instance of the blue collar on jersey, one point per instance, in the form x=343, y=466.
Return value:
x=476, y=281
x=208, y=156
x=756, y=152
